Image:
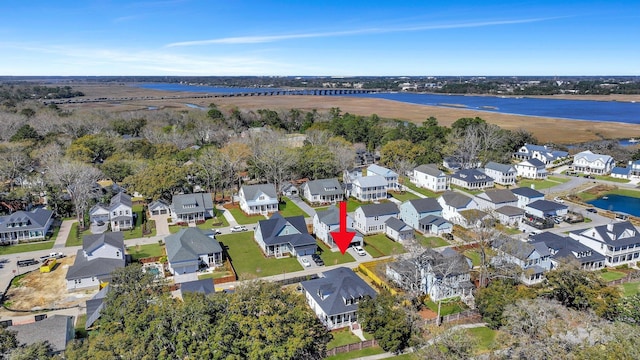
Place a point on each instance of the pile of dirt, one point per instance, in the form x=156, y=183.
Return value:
x=36, y=290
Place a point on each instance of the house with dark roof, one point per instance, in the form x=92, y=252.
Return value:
x=203, y=286
x=619, y=242
x=424, y=215
x=324, y=191
x=258, y=199
x=369, y=219
x=546, y=208
x=526, y=195
x=327, y=221
x=94, y=307
x=57, y=330
x=436, y=225
x=121, y=212
x=192, y=208
x=440, y=274
x=495, y=198
x=509, y=215
x=369, y=188
x=100, y=255
x=397, y=230
x=533, y=258
x=532, y=169
x=589, y=163
x=472, y=179
x=503, y=174
x=190, y=250
x=389, y=175
x=565, y=249
x=334, y=297
x=428, y=176
x=160, y=207
x=25, y=226
x=279, y=236
x=453, y=204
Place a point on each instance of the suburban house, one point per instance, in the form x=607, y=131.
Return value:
x=258, y=199
x=100, y=255
x=472, y=179
x=94, y=307
x=327, y=221
x=453, y=203
x=493, y=199
x=369, y=188
x=325, y=191
x=509, y=215
x=288, y=189
x=57, y=330
x=192, y=208
x=441, y=275
x=546, y=208
x=544, y=153
x=190, y=250
x=428, y=176
x=25, y=226
x=533, y=258
x=619, y=242
x=532, y=169
x=370, y=219
x=160, y=207
x=564, y=249
x=99, y=214
x=202, y=286
x=397, y=230
x=334, y=297
x=121, y=212
x=389, y=175
x=432, y=224
x=424, y=215
x=590, y=163
x=451, y=163
x=503, y=174
x=630, y=171
x=279, y=236
x=527, y=195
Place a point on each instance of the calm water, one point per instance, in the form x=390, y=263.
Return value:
x=626, y=204
x=624, y=112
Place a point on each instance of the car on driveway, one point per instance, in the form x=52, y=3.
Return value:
x=558, y=200
x=317, y=259
x=305, y=262
x=238, y=228
x=359, y=250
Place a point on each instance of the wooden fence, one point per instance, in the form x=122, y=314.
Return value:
x=352, y=347
x=467, y=316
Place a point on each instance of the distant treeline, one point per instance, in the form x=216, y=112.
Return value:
x=13, y=93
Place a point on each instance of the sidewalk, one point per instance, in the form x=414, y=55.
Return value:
x=63, y=234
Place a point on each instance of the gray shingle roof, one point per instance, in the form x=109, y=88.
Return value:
x=425, y=205
x=330, y=291
x=270, y=229
x=120, y=199
x=498, y=196
x=591, y=157
x=527, y=192
x=35, y=219
x=331, y=216
x=324, y=187
x=546, y=205
x=471, y=176
x=204, y=286
x=503, y=168
x=92, y=242
x=614, y=234
x=397, y=224
x=567, y=248
x=387, y=208
x=371, y=181
x=430, y=169
x=56, y=329
x=380, y=170
x=433, y=220
x=188, y=244
x=509, y=210
x=456, y=199
x=251, y=192
x=191, y=203
x=533, y=162
x=100, y=268
x=95, y=306
x=519, y=249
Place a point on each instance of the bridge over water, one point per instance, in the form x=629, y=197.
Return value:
x=260, y=92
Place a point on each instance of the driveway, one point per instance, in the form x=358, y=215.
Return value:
x=302, y=205
x=162, y=225
x=359, y=258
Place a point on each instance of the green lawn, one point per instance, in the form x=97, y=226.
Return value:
x=136, y=232
x=207, y=225
x=353, y=204
x=425, y=192
x=81, y=333
x=385, y=245
x=626, y=192
x=342, y=337
x=448, y=307
x=431, y=241
x=248, y=260
x=612, y=179
x=219, y=273
x=357, y=354
x=144, y=251
x=288, y=208
x=242, y=218
x=558, y=179
x=20, y=248
x=485, y=337
x=538, y=184
x=406, y=196
x=333, y=257
x=474, y=255
x=72, y=240
x=472, y=192
x=611, y=275
x=630, y=288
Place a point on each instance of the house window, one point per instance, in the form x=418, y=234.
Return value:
x=118, y=253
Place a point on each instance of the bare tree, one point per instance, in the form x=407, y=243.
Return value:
x=13, y=164
x=475, y=144
x=272, y=156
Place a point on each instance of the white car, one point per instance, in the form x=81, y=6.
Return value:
x=359, y=250
x=558, y=200
x=238, y=228
x=305, y=262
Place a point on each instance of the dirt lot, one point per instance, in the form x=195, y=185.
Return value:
x=46, y=290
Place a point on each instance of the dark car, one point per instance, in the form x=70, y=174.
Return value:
x=447, y=236
x=592, y=210
x=317, y=259
x=28, y=262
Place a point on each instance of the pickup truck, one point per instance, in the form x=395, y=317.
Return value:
x=53, y=255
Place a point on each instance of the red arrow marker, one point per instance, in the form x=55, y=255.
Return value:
x=343, y=237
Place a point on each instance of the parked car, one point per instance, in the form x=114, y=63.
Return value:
x=533, y=233
x=359, y=250
x=305, y=262
x=317, y=259
x=592, y=210
x=448, y=236
x=238, y=228
x=558, y=200
x=27, y=262
x=217, y=231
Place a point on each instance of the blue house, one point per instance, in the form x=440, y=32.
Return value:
x=424, y=215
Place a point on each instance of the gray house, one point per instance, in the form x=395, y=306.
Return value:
x=100, y=255
x=370, y=219
x=327, y=221
x=190, y=250
x=495, y=198
x=25, y=226
x=191, y=208
x=397, y=230
x=203, y=286
x=424, y=215
x=335, y=296
x=160, y=207
x=472, y=179
x=324, y=191
x=503, y=174
x=280, y=236
x=526, y=195
x=564, y=249
x=57, y=330
x=533, y=258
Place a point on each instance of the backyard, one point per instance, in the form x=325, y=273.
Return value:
x=248, y=260
x=611, y=275
x=242, y=218
x=537, y=184
x=138, y=252
x=288, y=208
x=425, y=192
x=405, y=196
x=379, y=245
x=431, y=241
x=447, y=307
x=484, y=338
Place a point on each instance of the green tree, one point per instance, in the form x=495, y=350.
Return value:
x=316, y=162
x=493, y=299
x=628, y=310
x=158, y=178
x=389, y=323
x=25, y=132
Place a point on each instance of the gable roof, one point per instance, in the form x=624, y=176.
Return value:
x=324, y=187
x=204, y=286
x=471, y=176
x=271, y=228
x=430, y=169
x=520, y=249
x=387, y=208
x=433, y=220
x=100, y=268
x=614, y=234
x=538, y=164
x=527, y=192
x=502, y=168
x=35, y=219
x=93, y=241
x=56, y=329
x=562, y=247
x=190, y=203
x=188, y=244
x=370, y=181
x=380, y=170
x=160, y=203
x=98, y=207
x=397, y=224
x=330, y=216
x=251, y=192
x=591, y=157
x=120, y=199
x=546, y=205
x=509, y=210
x=498, y=196
x=330, y=291
x=425, y=205
x=95, y=306
x=621, y=170
x=455, y=199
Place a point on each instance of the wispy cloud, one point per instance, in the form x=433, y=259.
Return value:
x=126, y=18
x=274, y=38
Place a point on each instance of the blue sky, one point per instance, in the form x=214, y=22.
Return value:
x=334, y=38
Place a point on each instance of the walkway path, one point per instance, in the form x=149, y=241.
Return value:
x=407, y=189
x=63, y=234
x=227, y=215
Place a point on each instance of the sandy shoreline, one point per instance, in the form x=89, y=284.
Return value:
x=545, y=129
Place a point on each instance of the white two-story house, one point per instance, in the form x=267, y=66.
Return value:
x=526, y=196
x=428, y=176
x=590, y=163
x=389, y=175
x=618, y=242
x=369, y=188
x=453, y=204
x=121, y=212
x=532, y=169
x=327, y=221
x=370, y=219
x=100, y=255
x=544, y=153
x=324, y=191
x=503, y=174
x=258, y=199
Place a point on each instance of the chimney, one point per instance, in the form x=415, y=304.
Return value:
x=610, y=227
x=533, y=186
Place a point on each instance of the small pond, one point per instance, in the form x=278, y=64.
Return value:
x=621, y=203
